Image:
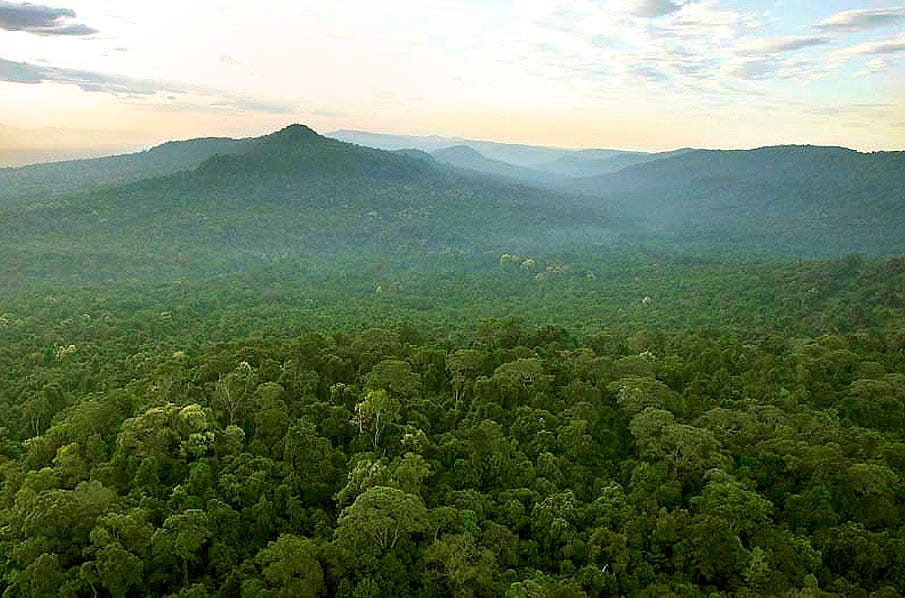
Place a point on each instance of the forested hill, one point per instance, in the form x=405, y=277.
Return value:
x=37, y=182
x=462, y=156
x=799, y=200
x=293, y=193
x=139, y=458
x=587, y=163
x=310, y=369
x=224, y=206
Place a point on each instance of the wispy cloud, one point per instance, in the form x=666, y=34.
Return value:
x=765, y=67
x=753, y=70
x=707, y=18
x=654, y=8
x=879, y=55
x=861, y=20
x=890, y=46
x=24, y=72
x=128, y=87
x=41, y=20
x=779, y=45
x=877, y=65
x=329, y=113
x=649, y=72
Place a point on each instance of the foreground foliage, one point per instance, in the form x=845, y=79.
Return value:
x=148, y=451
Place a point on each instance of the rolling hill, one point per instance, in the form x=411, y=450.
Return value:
x=794, y=200
x=41, y=181
x=534, y=164
x=517, y=154
x=587, y=163
x=463, y=156
x=290, y=195
x=209, y=207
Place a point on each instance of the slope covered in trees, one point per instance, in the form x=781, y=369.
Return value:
x=528, y=163
x=587, y=163
x=290, y=194
x=311, y=368
x=140, y=456
x=798, y=200
x=295, y=194
x=802, y=201
x=40, y=182
x=462, y=156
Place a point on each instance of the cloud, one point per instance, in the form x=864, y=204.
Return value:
x=654, y=8
x=40, y=20
x=753, y=70
x=24, y=72
x=764, y=67
x=122, y=86
x=893, y=46
x=861, y=20
x=244, y=104
x=649, y=72
x=708, y=19
x=875, y=110
x=778, y=45
x=877, y=65
x=330, y=113
x=881, y=48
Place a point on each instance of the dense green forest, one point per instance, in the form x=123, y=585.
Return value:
x=213, y=207
x=251, y=437
x=292, y=366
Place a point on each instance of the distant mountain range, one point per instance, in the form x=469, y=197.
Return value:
x=209, y=206
x=520, y=155
x=787, y=200
x=289, y=195
x=541, y=163
x=467, y=158
x=793, y=200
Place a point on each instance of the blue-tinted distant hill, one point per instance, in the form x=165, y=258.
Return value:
x=297, y=195
x=527, y=163
x=463, y=156
x=585, y=163
x=528, y=156
x=798, y=200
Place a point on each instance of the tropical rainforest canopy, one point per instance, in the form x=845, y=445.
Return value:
x=303, y=368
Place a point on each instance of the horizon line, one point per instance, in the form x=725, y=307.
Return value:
x=87, y=154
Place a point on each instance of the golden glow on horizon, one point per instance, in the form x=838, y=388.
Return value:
x=576, y=74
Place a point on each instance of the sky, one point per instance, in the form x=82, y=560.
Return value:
x=94, y=77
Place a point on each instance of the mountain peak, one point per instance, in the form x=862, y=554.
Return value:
x=294, y=132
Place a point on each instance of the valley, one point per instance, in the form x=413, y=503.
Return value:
x=429, y=371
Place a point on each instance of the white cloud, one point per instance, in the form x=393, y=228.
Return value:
x=861, y=20
x=708, y=19
x=654, y=8
x=751, y=69
x=891, y=46
x=778, y=45
x=877, y=65
x=41, y=20
x=888, y=50
x=161, y=93
x=463, y=63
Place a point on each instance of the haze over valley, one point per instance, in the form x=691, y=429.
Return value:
x=525, y=298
